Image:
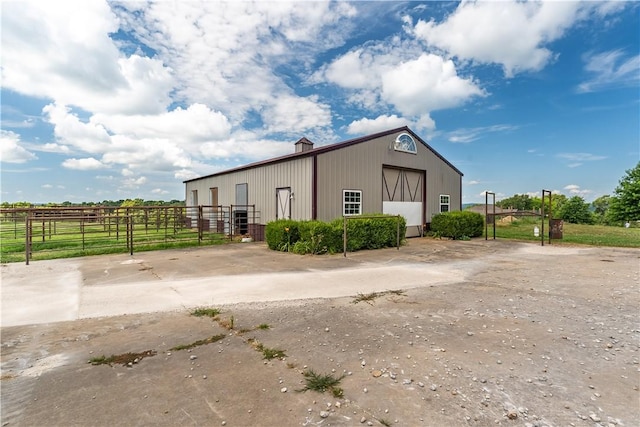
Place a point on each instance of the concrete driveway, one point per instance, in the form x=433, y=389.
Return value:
x=109, y=285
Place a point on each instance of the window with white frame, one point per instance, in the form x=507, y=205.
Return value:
x=351, y=202
x=445, y=203
x=404, y=142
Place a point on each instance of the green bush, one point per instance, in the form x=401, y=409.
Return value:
x=317, y=237
x=371, y=233
x=457, y=225
x=282, y=234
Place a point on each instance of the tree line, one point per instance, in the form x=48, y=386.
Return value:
x=123, y=203
x=622, y=207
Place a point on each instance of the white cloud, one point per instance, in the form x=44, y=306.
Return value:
x=11, y=149
x=575, y=190
x=473, y=182
x=293, y=114
x=227, y=60
x=380, y=123
x=159, y=191
x=435, y=85
x=47, y=186
x=134, y=182
x=62, y=51
x=377, y=76
x=467, y=135
x=515, y=35
x=117, y=105
x=577, y=159
x=610, y=69
x=88, y=163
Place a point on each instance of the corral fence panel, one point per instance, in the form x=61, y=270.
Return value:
x=60, y=232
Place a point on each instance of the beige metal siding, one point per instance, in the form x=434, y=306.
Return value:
x=262, y=183
x=359, y=167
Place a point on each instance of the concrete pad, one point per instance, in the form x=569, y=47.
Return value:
x=46, y=291
x=58, y=290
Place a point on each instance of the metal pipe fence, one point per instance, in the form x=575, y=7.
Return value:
x=44, y=233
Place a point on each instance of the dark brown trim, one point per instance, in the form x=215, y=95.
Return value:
x=314, y=189
x=328, y=148
x=460, y=208
x=424, y=200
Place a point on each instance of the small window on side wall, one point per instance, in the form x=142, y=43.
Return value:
x=351, y=202
x=445, y=203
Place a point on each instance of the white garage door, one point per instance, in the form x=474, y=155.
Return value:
x=402, y=192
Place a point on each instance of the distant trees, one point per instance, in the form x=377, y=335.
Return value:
x=107, y=203
x=524, y=202
x=521, y=202
x=576, y=211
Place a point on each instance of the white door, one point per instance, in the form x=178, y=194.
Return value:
x=283, y=203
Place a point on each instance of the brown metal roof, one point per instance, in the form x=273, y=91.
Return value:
x=325, y=149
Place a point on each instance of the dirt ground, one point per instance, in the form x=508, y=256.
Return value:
x=524, y=335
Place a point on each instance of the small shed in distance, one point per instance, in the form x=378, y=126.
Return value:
x=394, y=172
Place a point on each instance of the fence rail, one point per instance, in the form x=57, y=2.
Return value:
x=45, y=233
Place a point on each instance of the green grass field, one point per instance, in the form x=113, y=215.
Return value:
x=595, y=235
x=53, y=240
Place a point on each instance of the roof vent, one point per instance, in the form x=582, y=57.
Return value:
x=303, y=144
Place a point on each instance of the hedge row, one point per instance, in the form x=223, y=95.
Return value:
x=458, y=224
x=317, y=237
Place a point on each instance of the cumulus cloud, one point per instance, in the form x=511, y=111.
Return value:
x=575, y=190
x=380, y=123
x=377, y=77
x=66, y=54
x=515, y=35
x=435, y=85
x=88, y=163
x=227, y=60
x=11, y=149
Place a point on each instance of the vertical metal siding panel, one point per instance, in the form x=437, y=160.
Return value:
x=262, y=182
x=354, y=167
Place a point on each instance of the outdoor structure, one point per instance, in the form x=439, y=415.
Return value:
x=393, y=172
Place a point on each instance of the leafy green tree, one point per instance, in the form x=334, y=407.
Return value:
x=625, y=204
x=600, y=208
x=576, y=211
x=521, y=202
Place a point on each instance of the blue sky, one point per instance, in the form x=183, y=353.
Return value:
x=115, y=100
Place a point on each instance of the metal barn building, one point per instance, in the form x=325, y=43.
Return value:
x=393, y=172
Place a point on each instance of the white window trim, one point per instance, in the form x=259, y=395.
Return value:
x=344, y=203
x=398, y=146
x=448, y=204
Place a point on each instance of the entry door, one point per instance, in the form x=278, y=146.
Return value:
x=402, y=192
x=283, y=203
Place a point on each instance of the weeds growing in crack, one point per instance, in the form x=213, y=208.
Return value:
x=371, y=297
x=267, y=353
x=126, y=359
x=205, y=341
x=206, y=312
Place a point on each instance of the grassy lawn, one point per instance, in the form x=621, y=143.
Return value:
x=63, y=240
x=596, y=235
